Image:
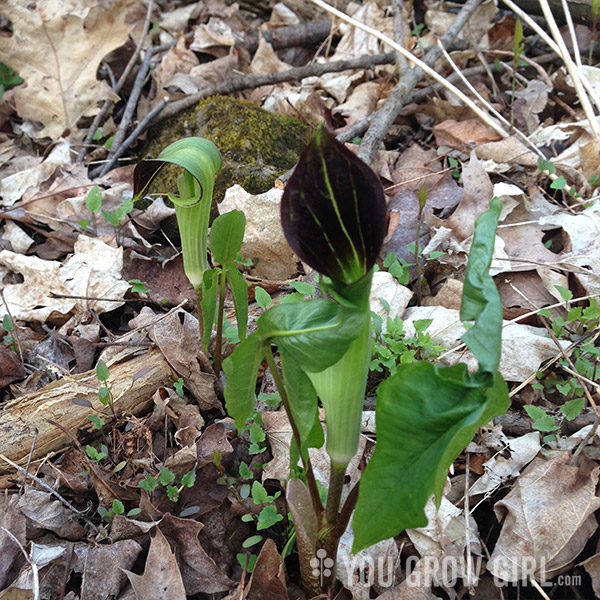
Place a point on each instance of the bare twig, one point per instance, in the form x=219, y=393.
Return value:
x=129, y=108
x=51, y=490
x=135, y=134
x=294, y=74
x=28, y=465
x=401, y=92
x=398, y=8
x=117, y=88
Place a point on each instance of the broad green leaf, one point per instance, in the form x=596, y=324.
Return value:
x=566, y=294
x=93, y=200
x=333, y=210
x=117, y=507
x=199, y=156
x=239, y=291
x=102, y=372
x=226, y=235
x=166, y=476
x=241, y=369
x=252, y=540
x=267, y=517
x=263, y=299
x=188, y=479
x=259, y=494
x=572, y=408
x=426, y=415
x=542, y=421
x=303, y=287
x=302, y=396
x=208, y=305
x=201, y=161
x=315, y=333
x=480, y=300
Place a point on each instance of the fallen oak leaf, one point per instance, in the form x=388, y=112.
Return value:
x=60, y=85
x=161, y=579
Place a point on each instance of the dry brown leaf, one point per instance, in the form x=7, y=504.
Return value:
x=161, y=579
x=589, y=155
x=178, y=338
x=478, y=192
x=503, y=155
x=94, y=270
x=45, y=512
x=59, y=69
x=268, y=576
x=417, y=586
x=11, y=368
x=198, y=570
x=523, y=292
x=464, y=135
x=11, y=558
x=592, y=566
x=547, y=520
x=361, y=102
x=102, y=565
x=530, y=103
x=499, y=469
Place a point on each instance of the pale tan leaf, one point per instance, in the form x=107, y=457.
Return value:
x=59, y=69
x=547, y=520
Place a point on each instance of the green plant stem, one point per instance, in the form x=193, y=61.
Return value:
x=310, y=476
x=200, y=318
x=337, y=474
x=417, y=259
x=219, y=341
x=346, y=512
x=592, y=40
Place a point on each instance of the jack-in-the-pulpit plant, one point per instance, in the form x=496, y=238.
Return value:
x=201, y=161
x=334, y=217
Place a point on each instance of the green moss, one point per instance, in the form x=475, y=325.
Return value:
x=256, y=145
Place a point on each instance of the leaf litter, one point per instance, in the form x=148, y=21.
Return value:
x=66, y=296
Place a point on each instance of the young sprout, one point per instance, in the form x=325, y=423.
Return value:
x=201, y=161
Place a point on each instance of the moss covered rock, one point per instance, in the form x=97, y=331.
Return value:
x=256, y=145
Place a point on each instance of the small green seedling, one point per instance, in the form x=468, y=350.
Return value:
x=263, y=299
x=9, y=338
x=97, y=455
x=167, y=479
x=455, y=166
x=226, y=236
x=518, y=47
x=105, y=391
x=117, y=508
x=8, y=79
x=93, y=203
x=179, y=389
x=138, y=287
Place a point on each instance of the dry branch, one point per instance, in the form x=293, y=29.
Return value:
x=402, y=91
x=135, y=379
